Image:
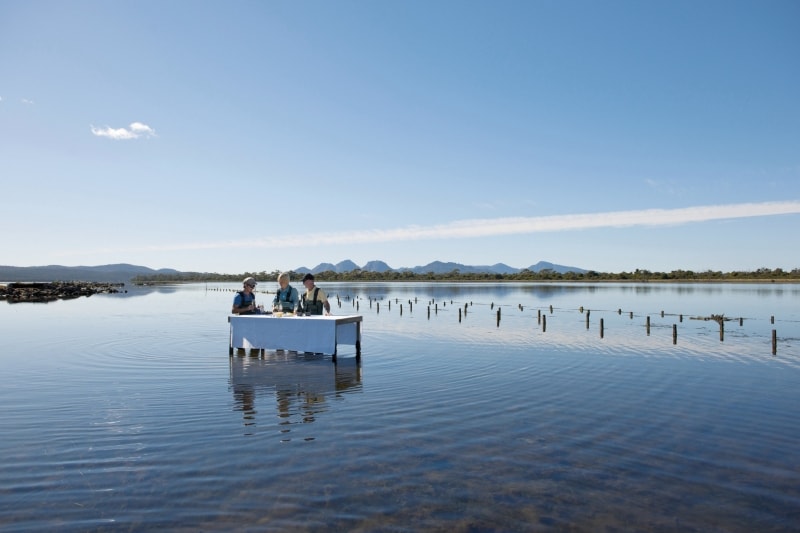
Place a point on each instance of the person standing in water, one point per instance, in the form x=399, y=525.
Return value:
x=315, y=299
x=244, y=303
x=286, y=299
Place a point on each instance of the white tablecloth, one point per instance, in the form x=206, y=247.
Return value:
x=319, y=334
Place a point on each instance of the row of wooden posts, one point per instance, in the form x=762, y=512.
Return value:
x=542, y=319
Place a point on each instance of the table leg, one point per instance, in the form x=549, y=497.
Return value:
x=358, y=341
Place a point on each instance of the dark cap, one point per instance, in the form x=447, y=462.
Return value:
x=307, y=277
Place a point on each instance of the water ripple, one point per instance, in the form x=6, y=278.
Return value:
x=129, y=414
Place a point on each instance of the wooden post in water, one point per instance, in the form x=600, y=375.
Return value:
x=436, y=309
x=631, y=315
x=648, y=325
x=601, y=328
x=587, y=320
x=721, y=330
x=378, y=307
x=662, y=313
x=674, y=333
x=498, y=317
x=459, y=315
x=551, y=309
x=544, y=323
x=390, y=305
x=491, y=306
x=429, y=312
x=680, y=317
x=772, y=319
x=465, y=309
x=410, y=309
x=401, y=309
x=774, y=342
x=538, y=316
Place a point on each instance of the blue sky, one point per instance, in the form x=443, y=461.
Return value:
x=248, y=136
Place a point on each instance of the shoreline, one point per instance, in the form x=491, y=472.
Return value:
x=539, y=281
x=50, y=291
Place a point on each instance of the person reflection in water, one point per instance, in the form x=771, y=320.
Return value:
x=245, y=399
x=302, y=388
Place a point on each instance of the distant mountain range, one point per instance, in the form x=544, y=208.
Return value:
x=124, y=272
x=438, y=267
x=109, y=273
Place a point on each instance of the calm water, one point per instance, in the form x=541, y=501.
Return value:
x=125, y=412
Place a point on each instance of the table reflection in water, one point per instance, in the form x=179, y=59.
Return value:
x=301, y=385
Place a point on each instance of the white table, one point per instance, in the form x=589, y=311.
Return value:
x=318, y=334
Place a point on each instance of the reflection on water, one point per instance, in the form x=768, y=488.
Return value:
x=121, y=413
x=298, y=385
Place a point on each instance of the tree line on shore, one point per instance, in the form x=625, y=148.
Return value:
x=638, y=275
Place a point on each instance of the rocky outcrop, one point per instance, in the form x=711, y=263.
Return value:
x=58, y=290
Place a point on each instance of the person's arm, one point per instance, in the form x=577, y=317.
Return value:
x=325, y=303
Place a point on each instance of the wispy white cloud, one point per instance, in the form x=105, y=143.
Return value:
x=465, y=229
x=142, y=129
x=27, y=101
x=135, y=131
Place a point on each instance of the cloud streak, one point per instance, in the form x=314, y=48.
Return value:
x=476, y=228
x=136, y=130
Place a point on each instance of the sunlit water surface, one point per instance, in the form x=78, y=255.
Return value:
x=125, y=412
